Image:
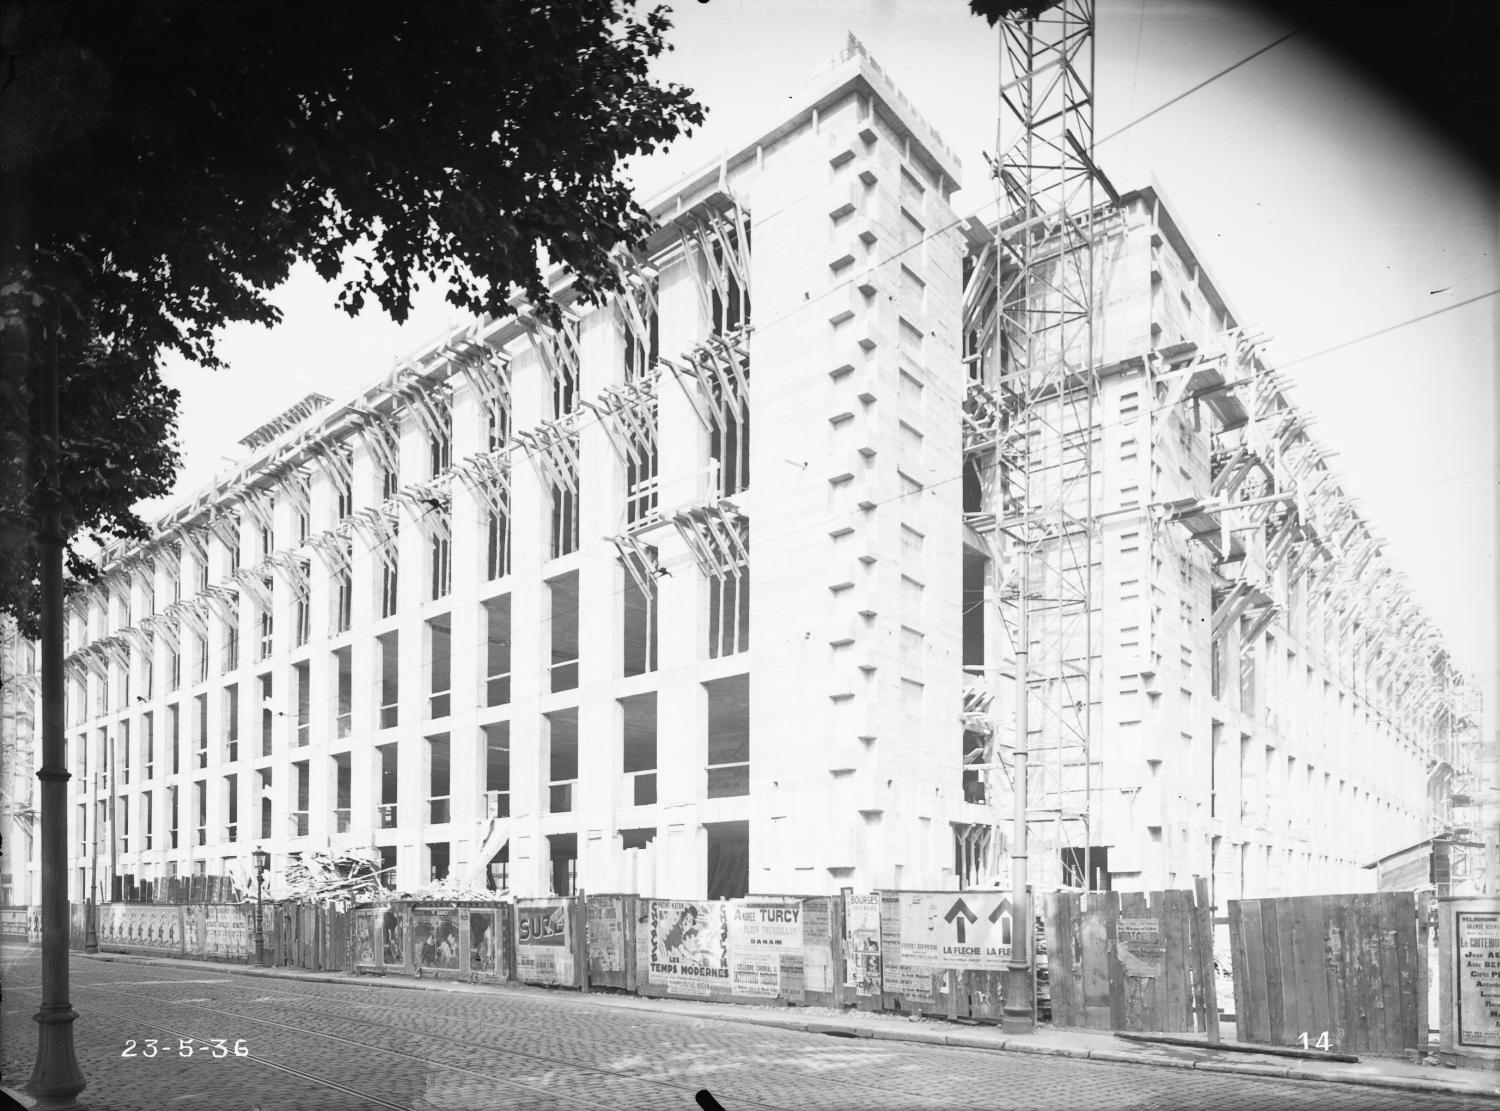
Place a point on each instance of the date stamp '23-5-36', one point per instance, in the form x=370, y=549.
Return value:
x=217, y=1048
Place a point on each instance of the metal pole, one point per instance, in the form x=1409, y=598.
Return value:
x=1017, y=1016
x=55, y=1078
x=260, y=937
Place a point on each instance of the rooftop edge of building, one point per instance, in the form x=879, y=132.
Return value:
x=851, y=69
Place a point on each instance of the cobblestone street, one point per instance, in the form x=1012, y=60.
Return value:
x=320, y=1045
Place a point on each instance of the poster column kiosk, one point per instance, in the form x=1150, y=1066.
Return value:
x=1469, y=988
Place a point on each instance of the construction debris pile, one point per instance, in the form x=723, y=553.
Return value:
x=451, y=890
x=338, y=879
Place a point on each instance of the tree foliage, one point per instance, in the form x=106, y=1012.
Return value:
x=166, y=162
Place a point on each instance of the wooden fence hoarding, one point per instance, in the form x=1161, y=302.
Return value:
x=455, y=941
x=943, y=953
x=609, y=940
x=1137, y=961
x=763, y=950
x=1353, y=967
x=548, y=939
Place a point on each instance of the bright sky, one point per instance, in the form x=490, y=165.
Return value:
x=1323, y=213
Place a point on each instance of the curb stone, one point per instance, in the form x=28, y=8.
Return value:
x=1249, y=1068
x=1114, y=1056
x=900, y=1034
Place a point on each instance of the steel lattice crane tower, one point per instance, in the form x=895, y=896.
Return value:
x=1030, y=434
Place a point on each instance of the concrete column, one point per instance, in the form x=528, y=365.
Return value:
x=530, y=643
x=601, y=582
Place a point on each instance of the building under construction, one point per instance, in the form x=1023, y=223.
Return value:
x=718, y=587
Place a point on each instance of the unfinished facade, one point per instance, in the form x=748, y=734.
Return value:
x=695, y=594
x=1268, y=702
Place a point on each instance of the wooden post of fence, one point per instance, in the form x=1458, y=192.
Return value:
x=836, y=949
x=581, y=941
x=510, y=940
x=1203, y=952
x=628, y=910
x=1424, y=910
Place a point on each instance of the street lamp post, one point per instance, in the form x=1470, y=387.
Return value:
x=262, y=861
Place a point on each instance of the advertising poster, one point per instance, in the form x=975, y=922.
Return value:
x=435, y=937
x=484, y=938
x=1140, y=947
x=1476, y=943
x=911, y=982
x=955, y=929
x=193, y=930
x=763, y=936
x=689, y=947
x=226, y=930
x=606, y=935
x=862, y=943
x=393, y=945
x=766, y=926
x=364, y=946
x=817, y=954
x=13, y=923
x=544, y=941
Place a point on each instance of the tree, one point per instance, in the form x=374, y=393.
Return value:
x=165, y=162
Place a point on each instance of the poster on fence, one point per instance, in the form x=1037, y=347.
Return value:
x=435, y=938
x=1139, y=946
x=689, y=947
x=1476, y=939
x=155, y=929
x=606, y=934
x=544, y=941
x=765, y=936
x=365, y=928
x=817, y=953
x=912, y=982
x=484, y=942
x=13, y=924
x=862, y=943
x=393, y=944
x=955, y=929
x=226, y=932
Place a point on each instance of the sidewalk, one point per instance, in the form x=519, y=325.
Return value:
x=1380, y=1072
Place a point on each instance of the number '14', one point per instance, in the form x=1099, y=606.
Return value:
x=1322, y=1042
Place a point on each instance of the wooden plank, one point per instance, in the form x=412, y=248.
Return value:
x=1062, y=969
x=1050, y=914
x=1424, y=966
x=1139, y=1010
x=1059, y=957
x=1335, y=914
x=1115, y=968
x=1402, y=911
x=1356, y=993
x=1094, y=935
x=1389, y=911
x=1254, y=1022
x=1240, y=977
x=1173, y=908
x=1202, y=940
x=1308, y=969
x=1275, y=974
x=1372, y=954
x=628, y=914
x=1295, y=1006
